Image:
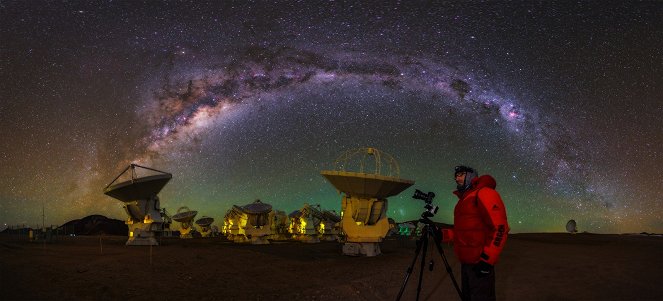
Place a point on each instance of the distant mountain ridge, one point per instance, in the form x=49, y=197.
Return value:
x=95, y=225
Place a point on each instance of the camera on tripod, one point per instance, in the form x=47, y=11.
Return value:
x=429, y=232
x=428, y=199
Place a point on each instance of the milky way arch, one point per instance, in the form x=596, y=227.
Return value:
x=181, y=110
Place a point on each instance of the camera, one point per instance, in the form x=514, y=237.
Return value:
x=428, y=199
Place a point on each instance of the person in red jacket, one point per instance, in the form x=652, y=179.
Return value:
x=479, y=232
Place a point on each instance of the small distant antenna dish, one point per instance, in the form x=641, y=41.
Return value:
x=204, y=221
x=185, y=217
x=205, y=226
x=141, y=203
x=571, y=227
x=257, y=207
x=373, y=178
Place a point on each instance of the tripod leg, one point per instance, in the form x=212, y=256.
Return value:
x=410, y=268
x=446, y=264
x=423, y=262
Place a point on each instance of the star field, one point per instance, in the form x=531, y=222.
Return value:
x=560, y=102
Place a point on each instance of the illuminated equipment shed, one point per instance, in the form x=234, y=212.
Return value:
x=141, y=202
x=364, y=206
x=249, y=223
x=185, y=217
x=205, y=224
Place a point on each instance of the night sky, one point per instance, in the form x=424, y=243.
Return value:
x=560, y=101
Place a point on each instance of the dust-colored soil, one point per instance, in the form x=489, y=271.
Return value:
x=532, y=267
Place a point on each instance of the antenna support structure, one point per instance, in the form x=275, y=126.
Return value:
x=366, y=177
x=141, y=202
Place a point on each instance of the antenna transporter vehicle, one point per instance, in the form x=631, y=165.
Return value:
x=364, y=206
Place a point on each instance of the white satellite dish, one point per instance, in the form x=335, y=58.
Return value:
x=185, y=217
x=141, y=203
x=571, y=227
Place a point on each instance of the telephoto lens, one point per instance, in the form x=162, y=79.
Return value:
x=426, y=197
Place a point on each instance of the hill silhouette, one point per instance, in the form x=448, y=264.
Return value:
x=95, y=225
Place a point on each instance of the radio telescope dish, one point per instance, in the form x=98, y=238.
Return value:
x=185, y=217
x=366, y=185
x=139, y=188
x=204, y=221
x=375, y=176
x=330, y=226
x=331, y=216
x=571, y=227
x=257, y=207
x=141, y=203
x=279, y=224
x=205, y=226
x=249, y=223
x=305, y=224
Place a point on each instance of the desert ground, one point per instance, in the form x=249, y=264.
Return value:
x=532, y=267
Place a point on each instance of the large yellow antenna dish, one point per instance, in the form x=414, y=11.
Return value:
x=368, y=160
x=367, y=177
x=367, y=173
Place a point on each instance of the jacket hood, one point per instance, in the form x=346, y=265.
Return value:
x=477, y=183
x=484, y=181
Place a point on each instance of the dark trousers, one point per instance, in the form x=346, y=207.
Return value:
x=477, y=288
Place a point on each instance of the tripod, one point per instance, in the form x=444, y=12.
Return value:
x=428, y=232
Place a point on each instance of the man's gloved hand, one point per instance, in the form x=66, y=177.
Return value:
x=483, y=269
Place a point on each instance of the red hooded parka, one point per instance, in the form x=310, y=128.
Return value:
x=480, y=224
